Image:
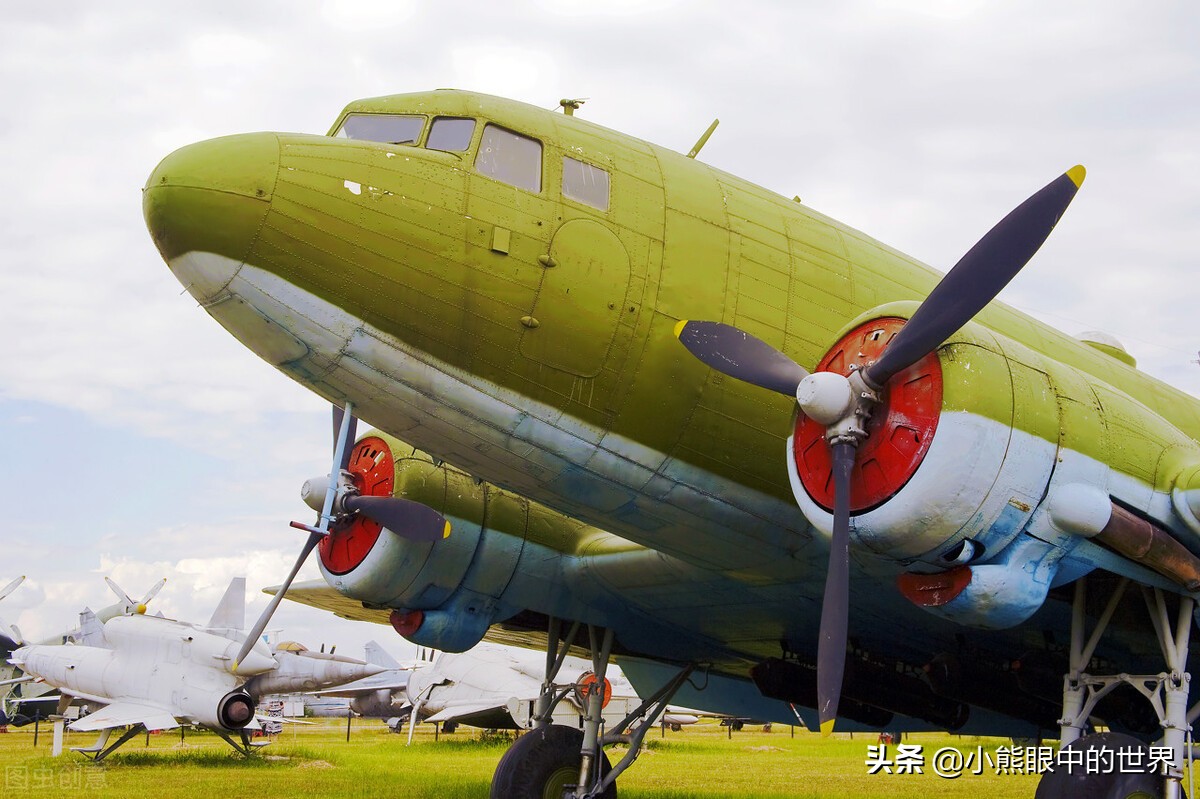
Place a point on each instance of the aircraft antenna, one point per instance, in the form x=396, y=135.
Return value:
x=692, y=153
x=569, y=107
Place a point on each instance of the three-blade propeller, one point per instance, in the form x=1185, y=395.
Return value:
x=403, y=517
x=843, y=404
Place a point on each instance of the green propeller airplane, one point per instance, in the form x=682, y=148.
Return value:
x=773, y=467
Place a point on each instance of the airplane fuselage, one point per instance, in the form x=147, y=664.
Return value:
x=151, y=662
x=401, y=278
x=500, y=285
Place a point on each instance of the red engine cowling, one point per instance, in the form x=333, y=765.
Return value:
x=364, y=561
x=946, y=472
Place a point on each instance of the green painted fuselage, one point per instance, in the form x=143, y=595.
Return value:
x=526, y=336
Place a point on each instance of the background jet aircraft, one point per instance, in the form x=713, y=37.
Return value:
x=497, y=687
x=729, y=434
x=153, y=673
x=379, y=695
x=27, y=702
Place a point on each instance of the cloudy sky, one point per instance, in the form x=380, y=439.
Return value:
x=138, y=440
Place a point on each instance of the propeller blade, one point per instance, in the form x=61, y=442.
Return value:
x=344, y=426
x=404, y=517
x=260, y=625
x=120, y=592
x=835, y=607
x=8, y=589
x=153, y=592
x=738, y=354
x=343, y=460
x=978, y=276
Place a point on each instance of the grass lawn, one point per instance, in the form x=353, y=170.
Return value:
x=701, y=761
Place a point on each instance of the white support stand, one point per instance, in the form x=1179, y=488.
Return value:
x=1166, y=691
x=59, y=724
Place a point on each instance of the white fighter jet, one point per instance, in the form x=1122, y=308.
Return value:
x=25, y=701
x=380, y=695
x=496, y=687
x=153, y=673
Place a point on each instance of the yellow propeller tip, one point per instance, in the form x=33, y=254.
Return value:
x=446, y=531
x=679, y=327
x=826, y=728
x=1077, y=173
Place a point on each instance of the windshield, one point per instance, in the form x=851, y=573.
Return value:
x=387, y=128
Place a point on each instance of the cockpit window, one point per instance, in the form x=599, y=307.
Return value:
x=387, y=128
x=511, y=158
x=585, y=183
x=452, y=134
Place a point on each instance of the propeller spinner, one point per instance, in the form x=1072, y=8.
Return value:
x=844, y=403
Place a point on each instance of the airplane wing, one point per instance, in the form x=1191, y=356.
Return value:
x=125, y=714
x=479, y=714
x=319, y=594
x=261, y=719
x=392, y=680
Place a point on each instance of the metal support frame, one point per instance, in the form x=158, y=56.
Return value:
x=648, y=712
x=592, y=720
x=1166, y=691
x=98, y=751
x=551, y=694
x=631, y=730
x=247, y=748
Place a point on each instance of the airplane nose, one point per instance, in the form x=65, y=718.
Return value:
x=209, y=199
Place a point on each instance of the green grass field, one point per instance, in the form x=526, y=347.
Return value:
x=701, y=762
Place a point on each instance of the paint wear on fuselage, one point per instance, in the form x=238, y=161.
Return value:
x=527, y=338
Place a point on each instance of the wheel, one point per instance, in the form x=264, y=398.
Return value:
x=1061, y=784
x=449, y=726
x=541, y=763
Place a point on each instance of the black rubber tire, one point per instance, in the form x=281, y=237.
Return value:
x=541, y=762
x=1059, y=784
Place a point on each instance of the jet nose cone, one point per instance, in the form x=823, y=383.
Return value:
x=210, y=199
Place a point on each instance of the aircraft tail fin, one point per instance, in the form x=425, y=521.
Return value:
x=231, y=610
x=91, y=631
x=376, y=656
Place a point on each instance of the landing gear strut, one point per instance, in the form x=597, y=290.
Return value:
x=554, y=761
x=1167, y=693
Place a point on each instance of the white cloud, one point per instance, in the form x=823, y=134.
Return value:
x=921, y=123
x=505, y=69
x=359, y=16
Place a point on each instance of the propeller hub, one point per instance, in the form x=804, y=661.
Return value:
x=313, y=492
x=825, y=397
x=372, y=473
x=892, y=438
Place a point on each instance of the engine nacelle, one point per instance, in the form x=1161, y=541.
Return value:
x=448, y=592
x=964, y=449
x=944, y=446
x=233, y=711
